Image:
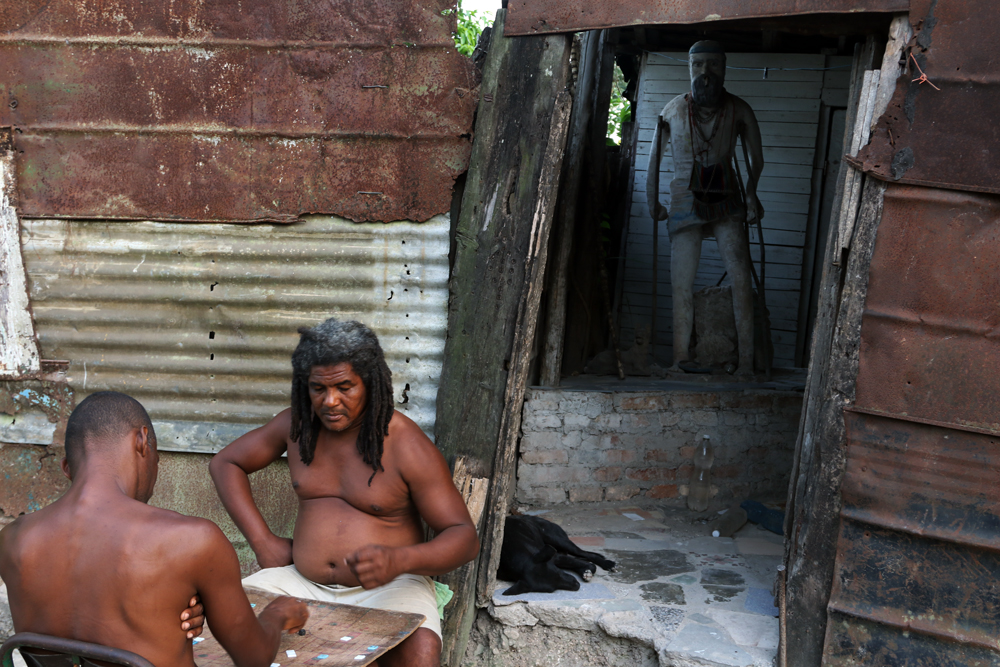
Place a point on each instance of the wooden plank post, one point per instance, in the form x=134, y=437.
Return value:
x=501, y=239
x=555, y=330
x=502, y=488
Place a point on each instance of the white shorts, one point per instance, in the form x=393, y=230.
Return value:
x=408, y=592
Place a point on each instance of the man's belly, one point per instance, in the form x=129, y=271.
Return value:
x=328, y=530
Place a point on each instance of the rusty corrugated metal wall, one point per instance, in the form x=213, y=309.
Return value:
x=235, y=111
x=198, y=322
x=917, y=573
x=529, y=17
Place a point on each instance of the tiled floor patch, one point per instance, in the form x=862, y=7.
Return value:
x=635, y=566
x=661, y=592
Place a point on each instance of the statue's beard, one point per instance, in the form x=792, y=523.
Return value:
x=706, y=90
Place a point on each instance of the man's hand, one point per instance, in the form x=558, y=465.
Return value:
x=661, y=212
x=288, y=614
x=276, y=552
x=375, y=566
x=193, y=618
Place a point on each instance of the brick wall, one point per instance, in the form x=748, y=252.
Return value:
x=587, y=446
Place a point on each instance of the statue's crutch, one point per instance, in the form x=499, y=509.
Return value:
x=759, y=281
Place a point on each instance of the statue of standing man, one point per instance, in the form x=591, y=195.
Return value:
x=706, y=194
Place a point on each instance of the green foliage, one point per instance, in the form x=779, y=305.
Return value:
x=620, y=110
x=470, y=26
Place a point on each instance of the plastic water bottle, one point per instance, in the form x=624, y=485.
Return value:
x=701, y=481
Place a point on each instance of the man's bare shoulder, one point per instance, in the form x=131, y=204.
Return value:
x=407, y=441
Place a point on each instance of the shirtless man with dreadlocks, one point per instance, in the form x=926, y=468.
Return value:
x=365, y=476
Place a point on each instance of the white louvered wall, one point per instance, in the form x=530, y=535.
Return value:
x=787, y=105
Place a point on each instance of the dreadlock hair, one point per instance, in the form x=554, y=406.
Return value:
x=329, y=344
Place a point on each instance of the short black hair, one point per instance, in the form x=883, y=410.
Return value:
x=101, y=417
x=328, y=344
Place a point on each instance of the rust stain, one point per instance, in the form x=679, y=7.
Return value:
x=918, y=556
x=929, y=332
x=529, y=17
x=943, y=134
x=211, y=111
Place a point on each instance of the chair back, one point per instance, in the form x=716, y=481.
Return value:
x=59, y=652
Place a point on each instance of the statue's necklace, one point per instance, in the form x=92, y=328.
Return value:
x=697, y=117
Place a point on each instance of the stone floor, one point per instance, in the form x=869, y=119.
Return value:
x=692, y=598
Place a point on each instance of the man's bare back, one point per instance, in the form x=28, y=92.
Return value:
x=359, y=523
x=102, y=566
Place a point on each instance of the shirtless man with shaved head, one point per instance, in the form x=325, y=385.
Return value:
x=100, y=565
x=365, y=476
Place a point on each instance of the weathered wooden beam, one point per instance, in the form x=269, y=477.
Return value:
x=569, y=195
x=502, y=488
x=496, y=236
x=814, y=495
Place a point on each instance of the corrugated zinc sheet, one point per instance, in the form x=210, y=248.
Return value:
x=943, y=131
x=198, y=322
x=917, y=578
x=543, y=16
x=235, y=111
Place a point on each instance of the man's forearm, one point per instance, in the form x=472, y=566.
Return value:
x=233, y=487
x=449, y=550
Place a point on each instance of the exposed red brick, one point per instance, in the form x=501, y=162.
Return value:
x=651, y=474
x=747, y=401
x=663, y=491
x=618, y=455
x=683, y=401
x=608, y=474
x=643, y=403
x=620, y=492
x=660, y=456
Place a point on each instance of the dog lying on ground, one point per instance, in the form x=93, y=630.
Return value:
x=536, y=554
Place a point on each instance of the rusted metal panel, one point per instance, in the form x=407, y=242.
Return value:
x=529, y=17
x=198, y=322
x=211, y=111
x=918, y=558
x=943, y=131
x=929, y=335
x=918, y=564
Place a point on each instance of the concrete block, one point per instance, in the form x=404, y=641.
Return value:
x=606, y=422
x=576, y=617
x=541, y=495
x=571, y=440
x=541, y=422
x=514, y=615
x=574, y=421
x=541, y=440
x=668, y=419
x=734, y=418
x=705, y=418
x=544, y=456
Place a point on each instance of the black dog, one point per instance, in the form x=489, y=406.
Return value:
x=536, y=553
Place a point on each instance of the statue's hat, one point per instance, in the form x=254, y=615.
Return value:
x=706, y=46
